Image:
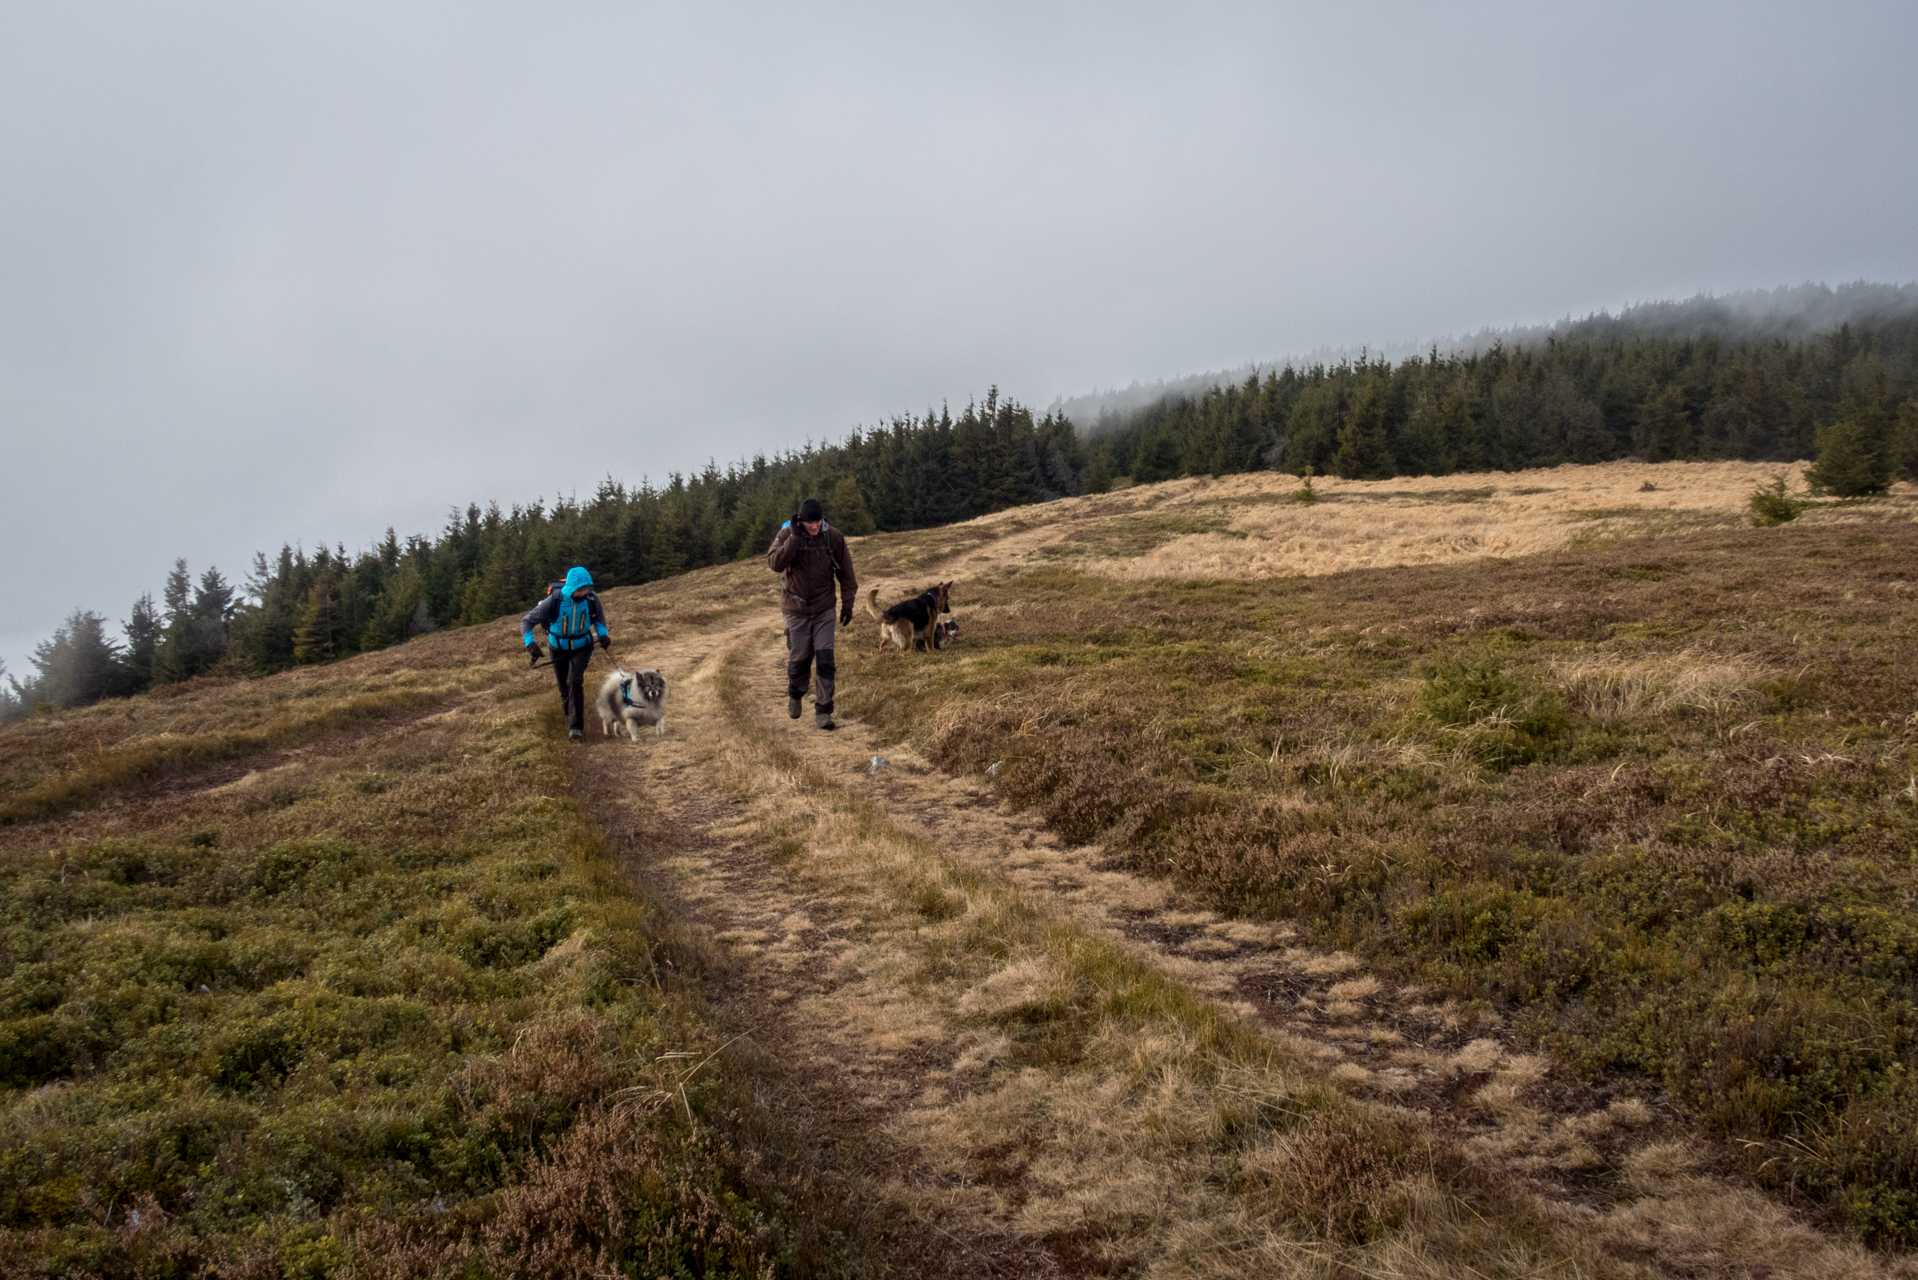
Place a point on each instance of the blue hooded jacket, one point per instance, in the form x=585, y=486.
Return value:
x=571, y=615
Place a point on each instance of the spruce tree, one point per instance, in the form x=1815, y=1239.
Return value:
x=79, y=665
x=1312, y=427
x=1664, y=427
x=1903, y=453
x=143, y=629
x=313, y=640
x=846, y=508
x=178, y=592
x=173, y=656
x=13, y=700
x=1852, y=455
x=1363, y=452
x=667, y=556
x=1425, y=441
x=211, y=609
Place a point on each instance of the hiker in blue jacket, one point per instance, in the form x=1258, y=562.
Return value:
x=574, y=622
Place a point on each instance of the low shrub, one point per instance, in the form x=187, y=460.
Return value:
x=1770, y=506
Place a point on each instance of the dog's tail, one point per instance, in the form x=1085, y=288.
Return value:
x=872, y=604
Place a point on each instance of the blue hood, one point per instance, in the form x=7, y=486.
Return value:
x=576, y=577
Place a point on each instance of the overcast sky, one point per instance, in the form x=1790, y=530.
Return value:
x=295, y=272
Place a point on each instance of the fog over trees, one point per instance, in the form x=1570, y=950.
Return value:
x=1792, y=313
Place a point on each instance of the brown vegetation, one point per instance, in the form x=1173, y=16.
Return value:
x=1647, y=798
x=378, y=1005
x=1531, y=915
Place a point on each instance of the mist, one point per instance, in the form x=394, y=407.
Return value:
x=301, y=272
x=1789, y=313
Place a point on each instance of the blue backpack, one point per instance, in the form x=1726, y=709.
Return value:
x=574, y=623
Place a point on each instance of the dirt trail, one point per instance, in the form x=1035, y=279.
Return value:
x=792, y=956
x=1376, y=1038
x=777, y=844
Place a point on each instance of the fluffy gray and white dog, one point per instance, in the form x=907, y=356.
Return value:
x=629, y=699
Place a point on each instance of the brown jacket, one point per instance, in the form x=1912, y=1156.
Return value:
x=810, y=565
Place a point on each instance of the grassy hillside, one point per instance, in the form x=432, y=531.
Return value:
x=1500, y=874
x=1639, y=789
x=330, y=969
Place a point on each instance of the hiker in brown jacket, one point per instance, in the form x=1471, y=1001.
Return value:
x=810, y=554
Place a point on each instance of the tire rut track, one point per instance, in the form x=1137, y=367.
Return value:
x=781, y=956
x=877, y=1059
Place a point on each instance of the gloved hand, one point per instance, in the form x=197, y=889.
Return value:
x=606, y=643
x=845, y=615
x=533, y=655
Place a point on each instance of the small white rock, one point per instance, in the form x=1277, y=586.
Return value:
x=878, y=763
x=992, y=770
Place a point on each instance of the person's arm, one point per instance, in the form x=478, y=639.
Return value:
x=598, y=615
x=785, y=546
x=540, y=615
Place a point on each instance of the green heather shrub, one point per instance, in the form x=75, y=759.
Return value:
x=1475, y=702
x=1769, y=505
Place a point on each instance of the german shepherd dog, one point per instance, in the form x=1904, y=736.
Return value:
x=629, y=699
x=911, y=624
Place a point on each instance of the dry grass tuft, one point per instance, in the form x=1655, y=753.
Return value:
x=1347, y=1176
x=1612, y=689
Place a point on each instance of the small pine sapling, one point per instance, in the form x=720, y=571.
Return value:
x=1305, y=492
x=1770, y=506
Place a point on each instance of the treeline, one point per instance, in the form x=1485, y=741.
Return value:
x=302, y=607
x=1511, y=408
x=1846, y=398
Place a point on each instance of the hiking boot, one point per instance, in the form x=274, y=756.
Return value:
x=792, y=708
x=574, y=735
x=824, y=720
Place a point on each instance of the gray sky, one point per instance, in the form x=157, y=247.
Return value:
x=296, y=272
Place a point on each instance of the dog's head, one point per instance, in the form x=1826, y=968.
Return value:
x=943, y=591
x=647, y=686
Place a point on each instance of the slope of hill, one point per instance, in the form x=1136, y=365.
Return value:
x=1506, y=874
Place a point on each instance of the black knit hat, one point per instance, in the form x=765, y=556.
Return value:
x=811, y=510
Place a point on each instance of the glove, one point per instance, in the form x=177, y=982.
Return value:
x=845, y=616
x=606, y=643
x=533, y=655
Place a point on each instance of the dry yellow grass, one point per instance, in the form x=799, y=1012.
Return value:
x=1608, y=689
x=1249, y=527
x=1433, y=520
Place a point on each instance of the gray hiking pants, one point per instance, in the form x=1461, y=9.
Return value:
x=807, y=638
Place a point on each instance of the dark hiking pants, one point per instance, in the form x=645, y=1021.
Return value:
x=569, y=668
x=806, y=639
